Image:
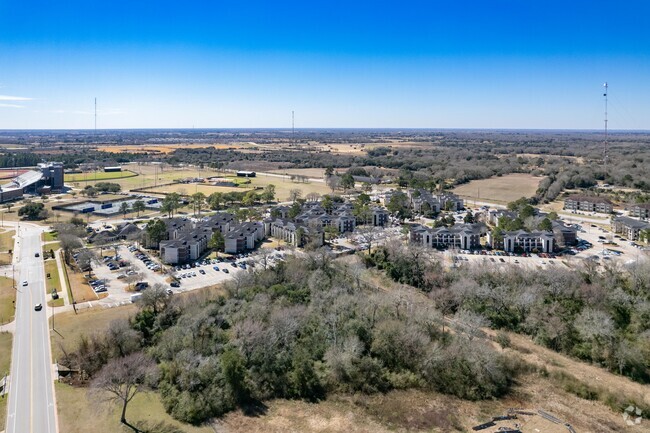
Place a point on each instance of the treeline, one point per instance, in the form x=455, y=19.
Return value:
x=303, y=329
x=19, y=159
x=597, y=316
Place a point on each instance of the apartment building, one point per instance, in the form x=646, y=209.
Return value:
x=629, y=227
x=540, y=241
x=294, y=233
x=641, y=211
x=588, y=204
x=462, y=236
x=243, y=237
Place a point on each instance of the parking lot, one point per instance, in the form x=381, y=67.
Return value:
x=144, y=267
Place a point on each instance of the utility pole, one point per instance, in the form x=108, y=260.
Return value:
x=293, y=128
x=95, y=117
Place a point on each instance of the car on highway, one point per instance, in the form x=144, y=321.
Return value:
x=38, y=307
x=37, y=255
x=24, y=283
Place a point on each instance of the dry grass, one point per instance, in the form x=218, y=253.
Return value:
x=6, y=340
x=6, y=244
x=7, y=299
x=81, y=290
x=101, y=417
x=169, y=148
x=71, y=326
x=501, y=189
x=284, y=186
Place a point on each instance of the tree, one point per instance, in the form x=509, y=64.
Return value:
x=171, y=203
x=398, y=205
x=156, y=231
x=329, y=171
x=546, y=225
x=295, y=194
x=139, y=206
x=217, y=241
x=9, y=206
x=553, y=216
x=124, y=208
x=197, y=202
x=215, y=200
x=69, y=243
x=469, y=217
x=312, y=196
x=154, y=299
x=33, y=211
x=333, y=182
x=269, y=193
x=122, y=379
x=347, y=181
x=249, y=199
x=294, y=210
x=327, y=203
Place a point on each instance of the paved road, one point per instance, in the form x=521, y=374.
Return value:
x=31, y=393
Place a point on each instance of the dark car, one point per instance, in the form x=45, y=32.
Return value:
x=38, y=307
x=37, y=255
x=226, y=270
x=175, y=284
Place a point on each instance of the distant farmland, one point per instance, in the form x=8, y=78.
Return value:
x=501, y=189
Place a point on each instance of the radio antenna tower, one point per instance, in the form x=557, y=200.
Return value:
x=293, y=129
x=95, y=116
x=606, y=154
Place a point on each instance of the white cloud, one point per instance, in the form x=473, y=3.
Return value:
x=11, y=105
x=14, y=98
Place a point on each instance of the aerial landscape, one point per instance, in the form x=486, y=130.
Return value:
x=342, y=217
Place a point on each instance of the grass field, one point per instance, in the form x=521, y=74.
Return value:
x=283, y=186
x=78, y=414
x=309, y=172
x=71, y=326
x=50, y=236
x=6, y=340
x=168, y=148
x=97, y=176
x=503, y=189
x=191, y=188
x=6, y=240
x=54, y=282
x=7, y=299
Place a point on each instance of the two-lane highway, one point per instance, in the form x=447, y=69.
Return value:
x=31, y=392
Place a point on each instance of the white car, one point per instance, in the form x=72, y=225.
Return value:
x=24, y=283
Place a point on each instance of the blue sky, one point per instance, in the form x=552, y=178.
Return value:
x=430, y=64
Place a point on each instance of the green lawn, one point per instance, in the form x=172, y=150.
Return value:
x=53, y=282
x=97, y=176
x=7, y=299
x=50, y=236
x=5, y=353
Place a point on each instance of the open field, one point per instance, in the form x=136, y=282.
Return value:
x=191, y=188
x=78, y=414
x=6, y=244
x=81, y=290
x=97, y=176
x=7, y=299
x=309, y=172
x=283, y=186
x=501, y=189
x=150, y=175
x=6, y=340
x=53, y=282
x=168, y=148
x=71, y=326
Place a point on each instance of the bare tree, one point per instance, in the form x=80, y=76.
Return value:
x=333, y=182
x=154, y=298
x=69, y=243
x=122, y=379
x=295, y=194
x=312, y=196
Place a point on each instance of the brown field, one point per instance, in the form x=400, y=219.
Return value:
x=283, y=186
x=168, y=148
x=6, y=340
x=503, y=189
x=81, y=290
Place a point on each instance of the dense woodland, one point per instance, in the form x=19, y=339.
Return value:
x=314, y=326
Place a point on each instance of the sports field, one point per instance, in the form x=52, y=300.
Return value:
x=502, y=189
x=97, y=176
